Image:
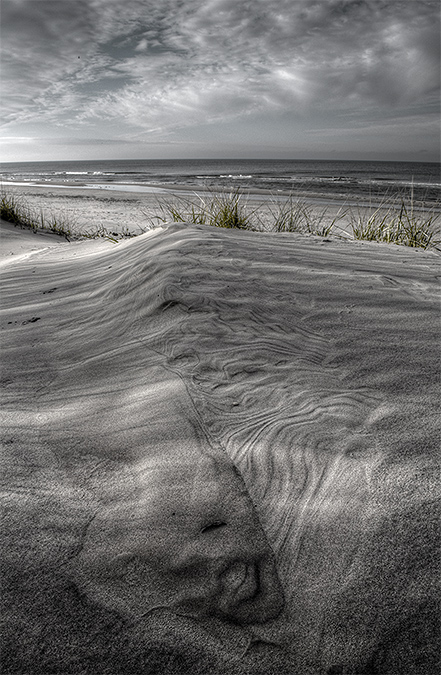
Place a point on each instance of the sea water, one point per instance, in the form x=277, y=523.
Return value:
x=327, y=179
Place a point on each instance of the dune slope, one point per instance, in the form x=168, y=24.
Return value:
x=220, y=454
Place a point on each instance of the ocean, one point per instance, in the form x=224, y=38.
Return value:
x=365, y=181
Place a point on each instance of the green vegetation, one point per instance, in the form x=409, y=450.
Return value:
x=299, y=216
x=232, y=211
x=220, y=210
x=15, y=211
x=403, y=225
x=392, y=226
x=103, y=233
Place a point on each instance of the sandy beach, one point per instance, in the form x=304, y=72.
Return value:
x=220, y=448
x=134, y=209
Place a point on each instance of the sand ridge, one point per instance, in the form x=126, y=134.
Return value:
x=308, y=365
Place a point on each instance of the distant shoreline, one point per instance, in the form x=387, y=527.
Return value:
x=316, y=182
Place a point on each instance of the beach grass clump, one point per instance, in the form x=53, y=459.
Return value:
x=102, y=232
x=218, y=210
x=15, y=210
x=296, y=215
x=232, y=210
x=290, y=216
x=404, y=226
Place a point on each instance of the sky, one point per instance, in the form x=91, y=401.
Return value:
x=164, y=79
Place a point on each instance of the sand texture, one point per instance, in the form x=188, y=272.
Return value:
x=220, y=455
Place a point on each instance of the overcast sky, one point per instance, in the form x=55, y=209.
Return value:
x=105, y=79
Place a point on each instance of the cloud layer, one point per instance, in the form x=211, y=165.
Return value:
x=152, y=67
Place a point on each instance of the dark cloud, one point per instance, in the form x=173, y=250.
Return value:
x=169, y=64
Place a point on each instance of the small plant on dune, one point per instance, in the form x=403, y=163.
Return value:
x=15, y=211
x=290, y=216
x=102, y=232
x=295, y=215
x=220, y=210
x=227, y=211
x=405, y=226
x=56, y=224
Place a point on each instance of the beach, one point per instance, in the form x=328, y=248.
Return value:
x=119, y=210
x=220, y=447
x=132, y=196
x=92, y=209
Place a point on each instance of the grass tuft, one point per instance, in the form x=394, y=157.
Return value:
x=299, y=216
x=404, y=227
x=15, y=211
x=220, y=210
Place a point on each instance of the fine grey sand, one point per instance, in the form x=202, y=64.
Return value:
x=220, y=454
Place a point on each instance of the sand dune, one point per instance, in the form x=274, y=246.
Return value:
x=221, y=455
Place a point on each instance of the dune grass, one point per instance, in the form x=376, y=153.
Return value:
x=233, y=211
x=402, y=225
x=218, y=210
x=296, y=215
x=15, y=210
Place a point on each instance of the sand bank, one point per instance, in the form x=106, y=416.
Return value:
x=221, y=454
